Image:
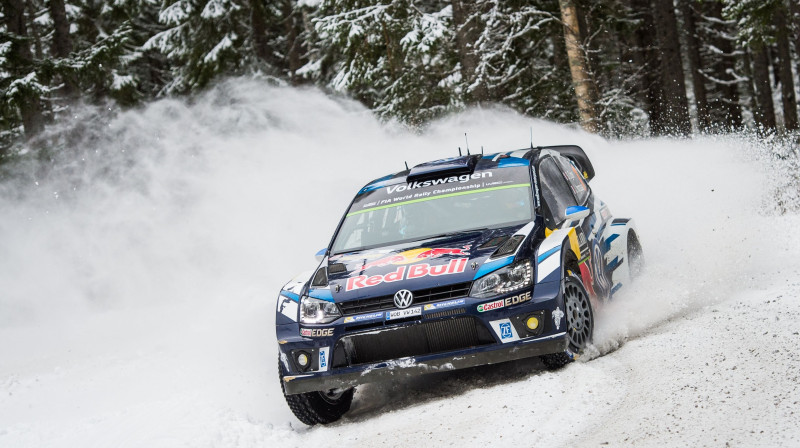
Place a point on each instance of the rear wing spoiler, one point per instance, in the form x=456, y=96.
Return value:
x=577, y=156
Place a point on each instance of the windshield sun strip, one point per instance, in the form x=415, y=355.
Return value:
x=458, y=193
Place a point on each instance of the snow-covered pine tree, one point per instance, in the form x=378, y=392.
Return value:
x=208, y=38
x=753, y=21
x=723, y=66
x=21, y=110
x=615, y=40
x=394, y=56
x=521, y=58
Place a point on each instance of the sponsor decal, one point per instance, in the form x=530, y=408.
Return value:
x=456, y=266
x=316, y=332
x=557, y=316
x=502, y=303
x=363, y=317
x=447, y=304
x=491, y=305
x=415, y=255
x=441, y=181
x=323, y=359
x=408, y=312
x=513, y=300
x=505, y=331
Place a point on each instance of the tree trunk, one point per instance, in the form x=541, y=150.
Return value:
x=749, y=86
x=293, y=44
x=695, y=65
x=559, y=51
x=646, y=57
x=764, y=114
x=258, y=26
x=676, y=118
x=726, y=112
x=585, y=89
x=583, y=9
x=62, y=42
x=20, y=63
x=794, y=9
x=783, y=66
x=32, y=30
x=468, y=30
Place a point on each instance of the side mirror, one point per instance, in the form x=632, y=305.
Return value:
x=321, y=254
x=577, y=212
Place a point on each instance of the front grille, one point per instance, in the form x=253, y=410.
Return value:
x=413, y=340
x=421, y=296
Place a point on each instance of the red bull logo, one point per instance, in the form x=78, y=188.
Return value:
x=415, y=255
x=455, y=266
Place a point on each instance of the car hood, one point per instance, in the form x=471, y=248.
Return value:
x=423, y=264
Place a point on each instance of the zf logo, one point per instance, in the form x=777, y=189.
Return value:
x=323, y=359
x=505, y=330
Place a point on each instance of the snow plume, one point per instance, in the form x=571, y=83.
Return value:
x=140, y=265
x=178, y=202
x=706, y=211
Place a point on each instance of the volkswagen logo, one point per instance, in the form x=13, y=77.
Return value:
x=403, y=298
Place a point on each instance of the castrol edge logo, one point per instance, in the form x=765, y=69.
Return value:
x=456, y=266
x=415, y=255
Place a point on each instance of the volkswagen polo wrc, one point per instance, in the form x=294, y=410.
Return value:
x=452, y=264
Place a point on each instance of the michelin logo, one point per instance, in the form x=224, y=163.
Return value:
x=448, y=304
x=363, y=317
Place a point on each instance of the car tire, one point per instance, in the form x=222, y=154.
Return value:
x=580, y=322
x=635, y=256
x=314, y=408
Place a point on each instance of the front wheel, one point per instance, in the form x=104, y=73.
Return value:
x=321, y=407
x=580, y=322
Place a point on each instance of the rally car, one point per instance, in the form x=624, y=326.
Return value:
x=454, y=263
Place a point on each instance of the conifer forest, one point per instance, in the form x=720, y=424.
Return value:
x=619, y=68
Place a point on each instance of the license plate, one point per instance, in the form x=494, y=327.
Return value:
x=399, y=314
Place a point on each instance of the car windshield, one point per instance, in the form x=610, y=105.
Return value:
x=419, y=210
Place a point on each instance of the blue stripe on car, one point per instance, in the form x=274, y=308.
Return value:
x=322, y=294
x=544, y=256
x=512, y=161
x=610, y=239
x=291, y=295
x=493, y=266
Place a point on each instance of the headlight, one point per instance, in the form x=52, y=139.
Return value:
x=316, y=311
x=510, y=278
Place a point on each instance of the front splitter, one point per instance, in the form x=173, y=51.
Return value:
x=347, y=377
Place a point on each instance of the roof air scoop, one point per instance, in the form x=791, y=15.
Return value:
x=442, y=168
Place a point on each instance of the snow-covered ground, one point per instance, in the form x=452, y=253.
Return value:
x=137, y=288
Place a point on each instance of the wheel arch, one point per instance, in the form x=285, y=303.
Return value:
x=558, y=251
x=617, y=238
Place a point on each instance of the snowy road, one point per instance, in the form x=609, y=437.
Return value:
x=137, y=294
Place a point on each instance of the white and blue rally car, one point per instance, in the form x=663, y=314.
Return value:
x=452, y=264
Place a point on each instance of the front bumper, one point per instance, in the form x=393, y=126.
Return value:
x=414, y=366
